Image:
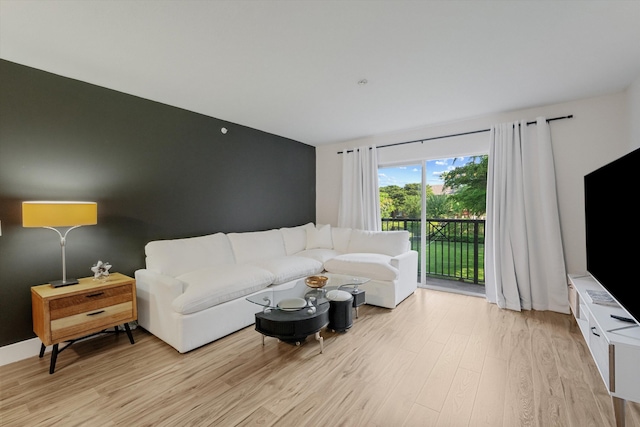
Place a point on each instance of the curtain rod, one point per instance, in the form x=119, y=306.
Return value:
x=570, y=116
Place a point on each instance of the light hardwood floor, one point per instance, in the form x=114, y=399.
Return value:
x=439, y=359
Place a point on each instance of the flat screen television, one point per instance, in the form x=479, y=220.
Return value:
x=612, y=227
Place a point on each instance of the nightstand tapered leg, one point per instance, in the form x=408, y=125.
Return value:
x=42, y=349
x=54, y=356
x=126, y=327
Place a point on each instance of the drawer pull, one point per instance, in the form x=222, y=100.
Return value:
x=593, y=329
x=97, y=312
x=97, y=294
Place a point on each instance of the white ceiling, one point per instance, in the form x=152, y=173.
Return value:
x=292, y=68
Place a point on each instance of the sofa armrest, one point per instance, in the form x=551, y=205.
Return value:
x=157, y=283
x=155, y=292
x=405, y=260
x=407, y=264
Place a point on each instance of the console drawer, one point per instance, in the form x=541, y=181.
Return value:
x=599, y=347
x=574, y=300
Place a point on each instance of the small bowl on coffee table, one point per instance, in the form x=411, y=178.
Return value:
x=316, y=282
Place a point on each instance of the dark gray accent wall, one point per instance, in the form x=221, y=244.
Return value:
x=156, y=172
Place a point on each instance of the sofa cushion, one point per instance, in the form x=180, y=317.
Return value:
x=287, y=268
x=373, y=266
x=319, y=237
x=340, y=237
x=211, y=286
x=255, y=245
x=391, y=243
x=295, y=238
x=177, y=256
x=321, y=255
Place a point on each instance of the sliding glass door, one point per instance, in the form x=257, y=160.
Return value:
x=446, y=224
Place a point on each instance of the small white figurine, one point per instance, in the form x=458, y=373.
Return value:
x=101, y=270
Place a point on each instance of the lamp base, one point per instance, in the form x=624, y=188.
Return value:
x=59, y=283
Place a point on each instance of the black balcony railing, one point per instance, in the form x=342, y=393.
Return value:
x=454, y=248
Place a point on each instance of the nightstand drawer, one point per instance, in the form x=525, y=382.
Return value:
x=91, y=321
x=88, y=301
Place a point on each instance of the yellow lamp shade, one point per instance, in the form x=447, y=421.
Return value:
x=59, y=214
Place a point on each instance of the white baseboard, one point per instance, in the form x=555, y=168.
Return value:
x=27, y=348
x=19, y=351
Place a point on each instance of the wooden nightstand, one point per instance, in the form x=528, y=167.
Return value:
x=69, y=313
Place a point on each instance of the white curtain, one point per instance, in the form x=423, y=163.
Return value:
x=524, y=258
x=360, y=202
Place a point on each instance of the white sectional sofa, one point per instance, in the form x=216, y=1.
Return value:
x=193, y=290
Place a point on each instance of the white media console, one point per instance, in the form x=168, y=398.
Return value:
x=614, y=344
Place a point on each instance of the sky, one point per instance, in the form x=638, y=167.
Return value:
x=401, y=175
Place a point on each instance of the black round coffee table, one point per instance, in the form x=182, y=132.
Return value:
x=293, y=326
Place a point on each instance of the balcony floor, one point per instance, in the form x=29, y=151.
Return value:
x=454, y=286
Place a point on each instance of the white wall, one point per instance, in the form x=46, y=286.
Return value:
x=598, y=133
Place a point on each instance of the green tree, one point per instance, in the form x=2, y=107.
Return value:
x=386, y=205
x=439, y=206
x=396, y=194
x=412, y=206
x=402, y=201
x=469, y=185
x=413, y=189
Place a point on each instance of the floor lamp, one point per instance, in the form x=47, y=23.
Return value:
x=60, y=214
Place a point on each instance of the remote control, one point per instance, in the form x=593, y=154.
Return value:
x=624, y=319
